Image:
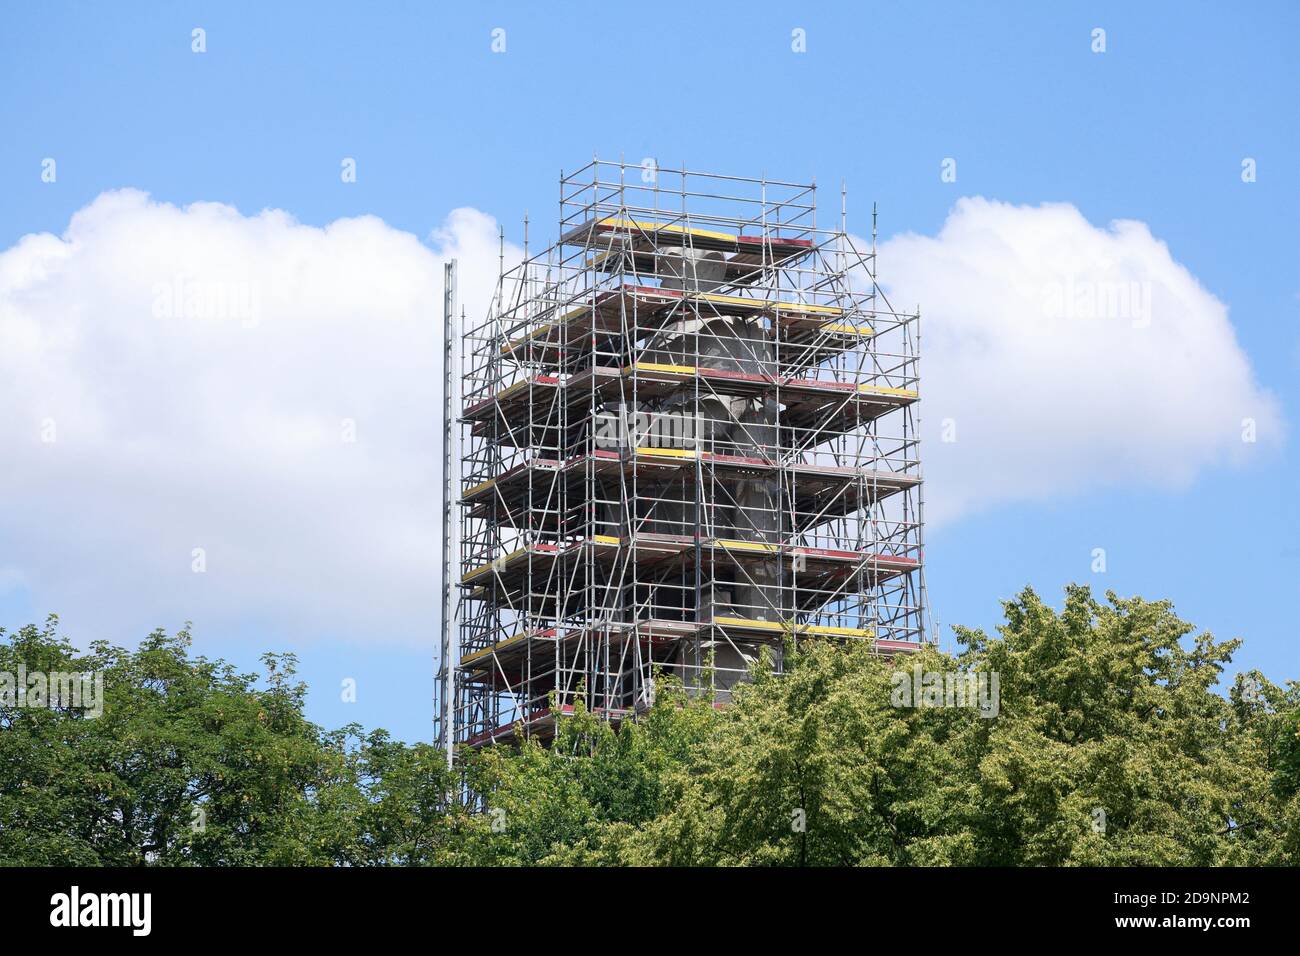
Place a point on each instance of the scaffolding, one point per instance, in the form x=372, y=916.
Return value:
x=688, y=432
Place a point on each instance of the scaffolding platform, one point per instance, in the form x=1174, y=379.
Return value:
x=569, y=333
x=528, y=494
x=527, y=411
x=529, y=577
x=509, y=661
x=647, y=234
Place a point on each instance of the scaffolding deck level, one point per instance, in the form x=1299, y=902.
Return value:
x=536, y=570
x=525, y=494
x=831, y=406
x=539, y=722
x=642, y=259
x=780, y=248
x=638, y=311
x=508, y=653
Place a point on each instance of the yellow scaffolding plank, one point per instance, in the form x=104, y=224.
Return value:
x=777, y=304
x=653, y=367
x=884, y=390
x=813, y=630
x=488, y=651
x=645, y=225
x=845, y=327
x=733, y=545
x=667, y=452
x=493, y=565
x=479, y=487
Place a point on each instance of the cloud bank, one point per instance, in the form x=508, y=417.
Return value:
x=1060, y=358
x=260, y=390
x=193, y=388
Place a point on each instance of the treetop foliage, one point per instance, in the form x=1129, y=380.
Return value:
x=1115, y=742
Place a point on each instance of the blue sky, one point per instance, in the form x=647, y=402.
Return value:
x=1154, y=129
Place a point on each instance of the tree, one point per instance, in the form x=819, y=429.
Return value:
x=188, y=763
x=1110, y=747
x=579, y=799
x=1102, y=739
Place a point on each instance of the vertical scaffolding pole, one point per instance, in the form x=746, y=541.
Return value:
x=450, y=512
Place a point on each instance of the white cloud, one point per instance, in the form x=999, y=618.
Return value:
x=195, y=368
x=1068, y=358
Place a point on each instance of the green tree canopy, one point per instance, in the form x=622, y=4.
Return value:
x=1117, y=740
x=1110, y=747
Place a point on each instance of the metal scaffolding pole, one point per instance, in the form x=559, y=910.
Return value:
x=446, y=736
